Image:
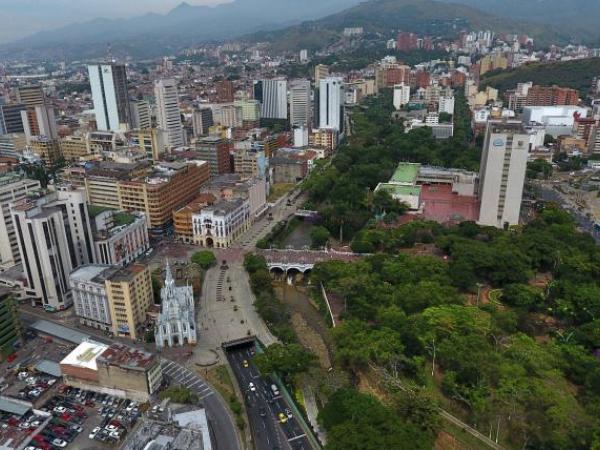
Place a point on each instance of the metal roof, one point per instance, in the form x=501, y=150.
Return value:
x=13, y=407
x=49, y=367
x=60, y=332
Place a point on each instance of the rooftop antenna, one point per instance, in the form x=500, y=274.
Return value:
x=109, y=56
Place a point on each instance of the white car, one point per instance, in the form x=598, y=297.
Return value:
x=252, y=387
x=59, y=442
x=112, y=427
x=60, y=409
x=115, y=435
x=94, y=432
x=77, y=428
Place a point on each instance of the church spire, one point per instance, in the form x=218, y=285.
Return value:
x=169, y=282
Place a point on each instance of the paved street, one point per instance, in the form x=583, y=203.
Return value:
x=264, y=407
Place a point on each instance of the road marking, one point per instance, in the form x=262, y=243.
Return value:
x=296, y=437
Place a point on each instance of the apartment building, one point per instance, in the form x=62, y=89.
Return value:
x=119, y=237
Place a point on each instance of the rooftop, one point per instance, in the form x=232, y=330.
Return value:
x=124, y=356
x=60, y=332
x=397, y=189
x=406, y=173
x=85, y=355
x=126, y=273
x=97, y=273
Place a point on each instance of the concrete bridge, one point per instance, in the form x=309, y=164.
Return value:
x=302, y=261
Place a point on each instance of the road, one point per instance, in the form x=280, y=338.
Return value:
x=549, y=194
x=263, y=407
x=223, y=428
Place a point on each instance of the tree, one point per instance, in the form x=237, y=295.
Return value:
x=180, y=394
x=205, y=259
x=419, y=408
x=287, y=360
x=319, y=236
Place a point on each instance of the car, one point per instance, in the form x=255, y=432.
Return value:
x=111, y=427
x=59, y=442
x=60, y=409
x=252, y=387
x=94, y=432
x=282, y=417
x=35, y=392
x=274, y=389
x=76, y=428
x=245, y=363
x=288, y=413
x=115, y=435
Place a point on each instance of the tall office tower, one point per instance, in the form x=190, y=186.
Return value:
x=111, y=99
x=139, y=114
x=168, y=114
x=401, y=95
x=10, y=118
x=39, y=121
x=321, y=71
x=225, y=93
x=13, y=188
x=273, y=97
x=331, y=104
x=300, y=103
x=31, y=96
x=502, y=173
x=54, y=237
x=202, y=120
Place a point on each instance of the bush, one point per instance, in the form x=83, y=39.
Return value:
x=179, y=394
x=205, y=259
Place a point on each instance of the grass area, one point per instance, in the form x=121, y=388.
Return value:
x=278, y=190
x=220, y=379
x=466, y=441
x=123, y=218
x=94, y=210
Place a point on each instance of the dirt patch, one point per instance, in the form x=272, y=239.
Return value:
x=311, y=339
x=446, y=441
x=368, y=383
x=541, y=280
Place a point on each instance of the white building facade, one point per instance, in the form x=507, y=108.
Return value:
x=88, y=287
x=120, y=244
x=502, y=173
x=176, y=323
x=108, y=83
x=401, y=95
x=219, y=225
x=331, y=104
x=300, y=103
x=167, y=111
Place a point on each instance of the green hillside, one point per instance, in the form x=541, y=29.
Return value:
x=383, y=16
x=574, y=74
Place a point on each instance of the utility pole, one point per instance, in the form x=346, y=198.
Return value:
x=479, y=285
x=433, y=360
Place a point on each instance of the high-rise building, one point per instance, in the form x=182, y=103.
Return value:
x=225, y=93
x=130, y=294
x=11, y=328
x=272, y=94
x=502, y=173
x=401, y=95
x=300, y=103
x=54, y=237
x=331, y=104
x=140, y=117
x=216, y=151
x=11, y=120
x=39, y=121
x=31, y=96
x=119, y=237
x=202, y=120
x=47, y=149
x=321, y=71
x=167, y=108
x=111, y=99
x=551, y=96
x=13, y=189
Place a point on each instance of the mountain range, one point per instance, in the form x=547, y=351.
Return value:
x=296, y=23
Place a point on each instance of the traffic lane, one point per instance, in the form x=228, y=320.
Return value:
x=275, y=404
x=265, y=430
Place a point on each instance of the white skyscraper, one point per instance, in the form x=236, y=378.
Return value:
x=111, y=99
x=331, y=103
x=272, y=94
x=300, y=103
x=54, y=237
x=167, y=111
x=401, y=95
x=502, y=173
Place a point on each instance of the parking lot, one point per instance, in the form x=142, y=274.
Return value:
x=84, y=419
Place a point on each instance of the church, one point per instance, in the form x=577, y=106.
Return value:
x=176, y=323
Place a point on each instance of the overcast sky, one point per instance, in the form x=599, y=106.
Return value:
x=19, y=18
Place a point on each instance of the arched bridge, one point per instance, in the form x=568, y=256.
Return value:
x=303, y=260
